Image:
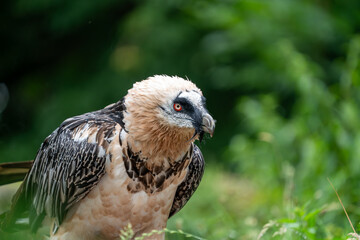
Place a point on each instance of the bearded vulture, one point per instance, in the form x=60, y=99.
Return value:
x=133, y=162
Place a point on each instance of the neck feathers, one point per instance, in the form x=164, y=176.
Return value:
x=157, y=141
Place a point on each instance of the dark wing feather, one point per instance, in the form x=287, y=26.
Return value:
x=65, y=170
x=192, y=180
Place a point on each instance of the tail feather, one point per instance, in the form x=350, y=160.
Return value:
x=13, y=172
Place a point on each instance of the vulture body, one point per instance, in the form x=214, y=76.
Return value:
x=133, y=162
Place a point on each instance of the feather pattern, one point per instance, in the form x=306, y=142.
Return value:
x=192, y=180
x=148, y=179
x=69, y=163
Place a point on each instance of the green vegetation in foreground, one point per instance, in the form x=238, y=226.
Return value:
x=233, y=207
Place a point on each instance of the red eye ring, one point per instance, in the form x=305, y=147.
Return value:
x=177, y=107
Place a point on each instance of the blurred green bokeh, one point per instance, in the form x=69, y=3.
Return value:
x=281, y=77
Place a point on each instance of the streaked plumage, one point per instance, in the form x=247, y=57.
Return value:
x=131, y=162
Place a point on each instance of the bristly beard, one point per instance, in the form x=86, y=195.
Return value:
x=198, y=132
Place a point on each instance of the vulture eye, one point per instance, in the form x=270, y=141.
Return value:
x=177, y=107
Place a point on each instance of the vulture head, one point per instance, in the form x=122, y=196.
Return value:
x=166, y=113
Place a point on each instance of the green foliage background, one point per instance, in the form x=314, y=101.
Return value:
x=281, y=77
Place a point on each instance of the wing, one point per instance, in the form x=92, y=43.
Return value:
x=69, y=163
x=192, y=180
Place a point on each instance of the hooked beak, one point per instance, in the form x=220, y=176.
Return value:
x=208, y=124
